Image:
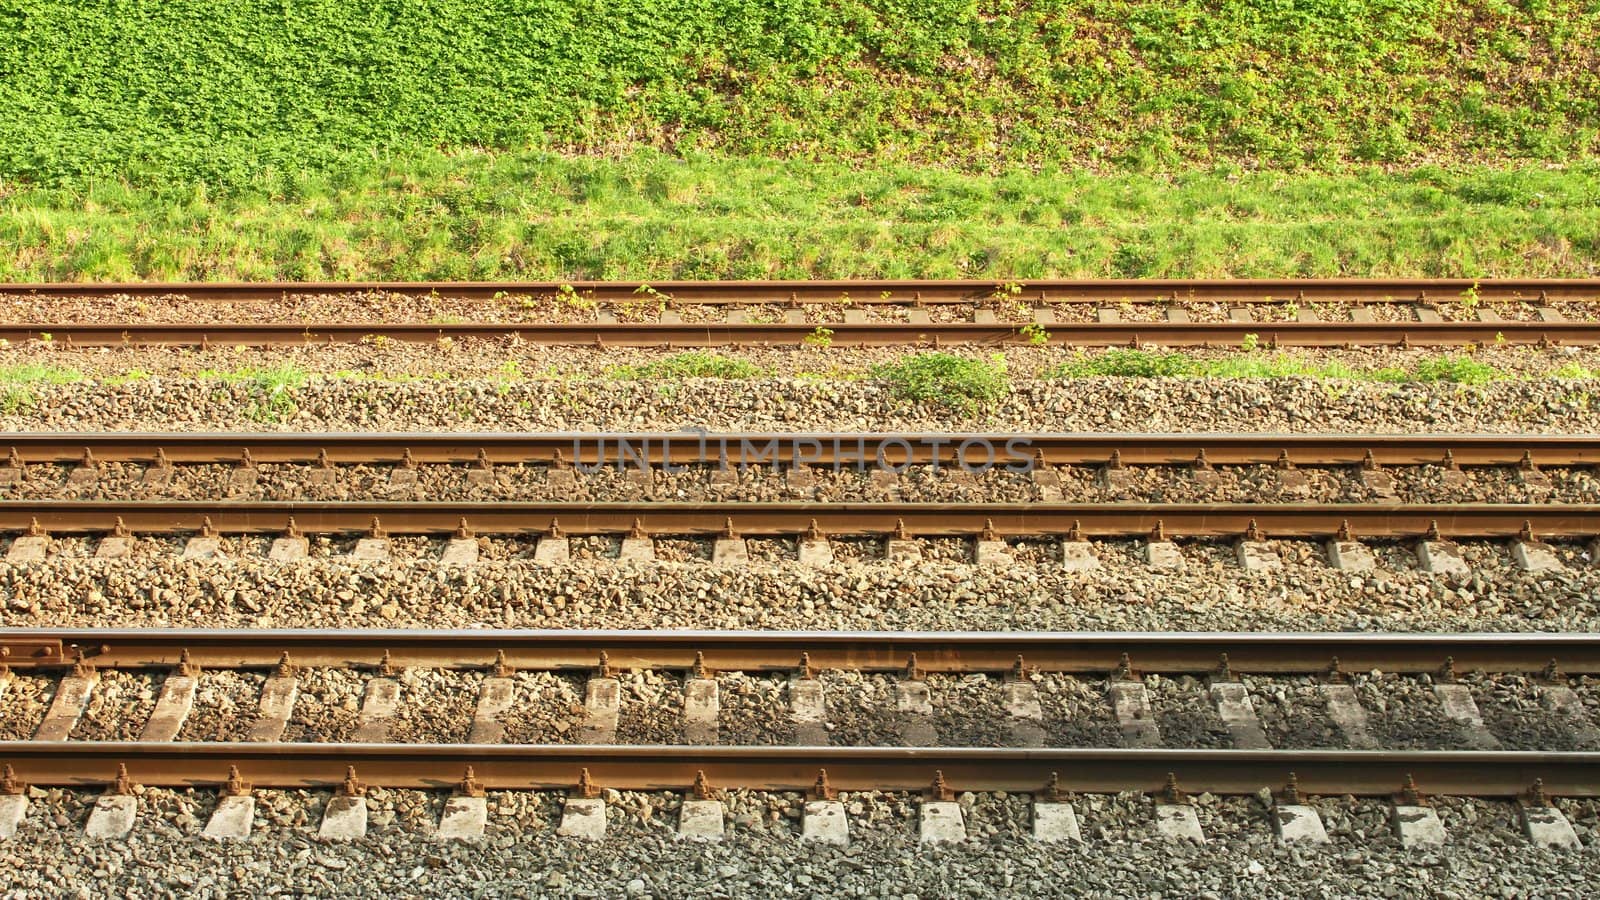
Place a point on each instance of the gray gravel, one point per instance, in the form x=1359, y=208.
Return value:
x=1183, y=711
x=1404, y=714
x=942, y=592
x=1121, y=855
x=1293, y=713
x=579, y=396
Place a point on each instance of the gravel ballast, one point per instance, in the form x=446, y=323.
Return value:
x=942, y=592
x=641, y=857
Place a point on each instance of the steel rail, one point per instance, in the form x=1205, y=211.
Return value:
x=556, y=767
x=1091, y=653
x=864, y=291
x=1476, y=520
x=824, y=448
x=883, y=334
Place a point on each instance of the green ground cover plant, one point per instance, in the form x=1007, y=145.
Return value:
x=221, y=91
x=959, y=382
x=656, y=139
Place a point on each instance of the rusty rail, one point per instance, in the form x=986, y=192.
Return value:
x=820, y=448
x=883, y=334
x=437, y=766
x=1392, y=520
x=1098, y=654
x=869, y=291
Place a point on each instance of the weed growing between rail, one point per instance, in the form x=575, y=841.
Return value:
x=959, y=382
x=690, y=364
x=17, y=383
x=1148, y=364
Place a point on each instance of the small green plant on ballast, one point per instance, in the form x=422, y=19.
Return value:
x=690, y=364
x=959, y=382
x=821, y=339
x=1035, y=334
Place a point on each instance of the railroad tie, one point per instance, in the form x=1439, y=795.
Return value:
x=1544, y=824
x=205, y=545
x=1161, y=553
x=13, y=804
x=553, y=547
x=461, y=549
x=602, y=703
x=114, y=811
x=914, y=708
x=495, y=694
x=989, y=549
x=1535, y=556
x=173, y=704
x=1459, y=707
x=378, y=706
x=1563, y=700
x=813, y=548
x=278, y=694
x=234, y=817
x=345, y=816
x=1440, y=557
x=823, y=818
x=637, y=546
x=901, y=547
x=1347, y=554
x=1295, y=822
x=1131, y=703
x=29, y=547
x=702, y=704
x=939, y=818
x=72, y=697
x=700, y=818
x=1176, y=819
x=1347, y=712
x=729, y=549
x=375, y=547
x=1233, y=705
x=808, y=708
x=1023, y=710
x=1415, y=823
x=583, y=813
x=466, y=812
x=1255, y=553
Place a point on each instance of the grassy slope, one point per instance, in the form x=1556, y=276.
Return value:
x=479, y=138
x=532, y=215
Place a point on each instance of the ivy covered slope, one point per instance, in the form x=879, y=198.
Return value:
x=218, y=88
x=576, y=138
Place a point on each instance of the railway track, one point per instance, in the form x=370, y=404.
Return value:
x=1035, y=321
x=1121, y=659
x=1257, y=521
x=824, y=449
x=25, y=649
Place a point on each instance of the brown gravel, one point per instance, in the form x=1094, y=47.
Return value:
x=119, y=706
x=328, y=707
x=435, y=706
x=226, y=704
x=546, y=708
x=23, y=705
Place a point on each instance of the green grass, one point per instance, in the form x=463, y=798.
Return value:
x=650, y=216
x=690, y=364
x=1147, y=364
x=959, y=382
x=225, y=91
x=16, y=384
